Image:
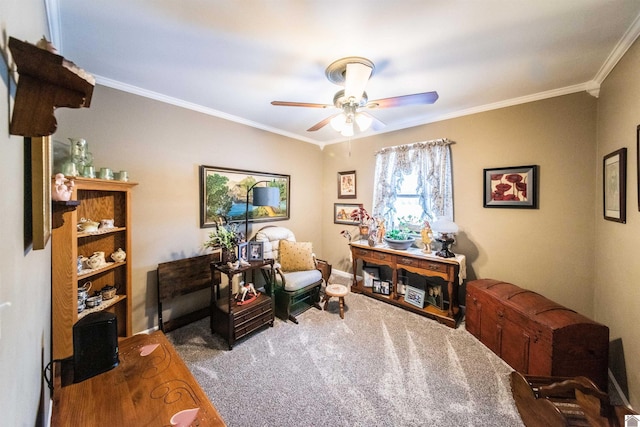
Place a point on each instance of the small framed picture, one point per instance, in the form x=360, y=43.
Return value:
x=369, y=274
x=434, y=296
x=511, y=187
x=382, y=287
x=342, y=213
x=347, y=185
x=414, y=296
x=614, y=186
x=243, y=251
x=255, y=251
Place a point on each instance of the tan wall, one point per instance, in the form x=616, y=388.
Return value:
x=617, y=296
x=549, y=250
x=25, y=275
x=162, y=147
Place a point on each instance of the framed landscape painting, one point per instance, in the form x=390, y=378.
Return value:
x=223, y=193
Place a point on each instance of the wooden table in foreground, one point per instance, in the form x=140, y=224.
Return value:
x=413, y=260
x=150, y=387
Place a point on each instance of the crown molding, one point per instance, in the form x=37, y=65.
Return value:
x=619, y=50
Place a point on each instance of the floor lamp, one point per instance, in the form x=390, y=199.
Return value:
x=262, y=196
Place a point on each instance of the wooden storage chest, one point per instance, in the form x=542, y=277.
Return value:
x=535, y=335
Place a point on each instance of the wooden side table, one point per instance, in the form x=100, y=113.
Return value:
x=234, y=321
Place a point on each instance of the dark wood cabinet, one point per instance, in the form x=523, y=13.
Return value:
x=535, y=335
x=234, y=321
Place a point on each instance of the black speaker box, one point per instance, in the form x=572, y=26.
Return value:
x=95, y=345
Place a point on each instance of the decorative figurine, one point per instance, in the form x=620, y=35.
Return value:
x=62, y=188
x=381, y=230
x=247, y=290
x=427, y=237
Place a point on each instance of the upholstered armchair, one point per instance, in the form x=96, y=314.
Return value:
x=299, y=274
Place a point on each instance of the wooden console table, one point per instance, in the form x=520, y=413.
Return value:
x=234, y=321
x=150, y=387
x=451, y=270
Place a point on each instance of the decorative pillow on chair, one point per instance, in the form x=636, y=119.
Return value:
x=296, y=256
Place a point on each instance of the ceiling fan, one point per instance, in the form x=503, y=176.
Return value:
x=353, y=73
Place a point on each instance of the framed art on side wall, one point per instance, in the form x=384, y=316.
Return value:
x=342, y=213
x=511, y=187
x=614, y=185
x=347, y=185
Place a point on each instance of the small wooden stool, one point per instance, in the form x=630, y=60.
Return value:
x=338, y=291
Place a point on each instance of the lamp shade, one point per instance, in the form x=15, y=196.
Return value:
x=266, y=196
x=444, y=225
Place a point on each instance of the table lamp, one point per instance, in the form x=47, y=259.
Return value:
x=262, y=196
x=445, y=229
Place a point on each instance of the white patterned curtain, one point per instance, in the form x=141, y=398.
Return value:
x=431, y=161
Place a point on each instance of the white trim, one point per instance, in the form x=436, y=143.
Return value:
x=619, y=50
x=53, y=20
x=195, y=107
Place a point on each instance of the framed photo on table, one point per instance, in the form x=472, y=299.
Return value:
x=243, y=251
x=369, y=274
x=382, y=287
x=347, y=185
x=256, y=251
x=614, y=186
x=434, y=296
x=414, y=296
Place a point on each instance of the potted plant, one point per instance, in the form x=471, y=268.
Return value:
x=226, y=237
x=399, y=238
x=362, y=216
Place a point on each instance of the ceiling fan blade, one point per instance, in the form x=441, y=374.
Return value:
x=322, y=123
x=300, y=104
x=400, y=101
x=357, y=76
x=376, y=124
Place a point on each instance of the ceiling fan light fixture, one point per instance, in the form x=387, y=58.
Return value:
x=347, y=130
x=338, y=122
x=363, y=121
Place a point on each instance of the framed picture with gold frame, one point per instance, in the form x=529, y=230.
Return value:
x=39, y=148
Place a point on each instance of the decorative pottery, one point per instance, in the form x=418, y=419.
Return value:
x=108, y=292
x=96, y=260
x=119, y=255
x=399, y=244
x=87, y=225
x=62, y=188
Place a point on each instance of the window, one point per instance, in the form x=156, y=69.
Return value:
x=413, y=180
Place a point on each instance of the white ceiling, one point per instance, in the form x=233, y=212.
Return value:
x=231, y=58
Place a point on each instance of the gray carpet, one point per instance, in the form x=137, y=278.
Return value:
x=380, y=366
